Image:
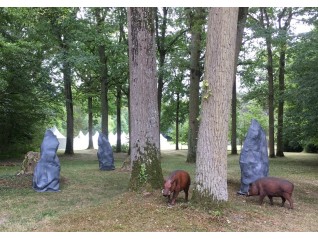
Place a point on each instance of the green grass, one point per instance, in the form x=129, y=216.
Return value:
x=94, y=200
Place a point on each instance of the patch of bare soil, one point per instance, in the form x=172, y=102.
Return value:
x=14, y=181
x=21, y=181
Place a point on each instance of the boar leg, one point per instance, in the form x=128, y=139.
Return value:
x=261, y=198
x=291, y=206
x=289, y=199
x=175, y=195
x=271, y=200
x=186, y=191
x=283, y=201
x=169, y=199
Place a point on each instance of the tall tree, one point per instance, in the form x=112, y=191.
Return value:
x=61, y=22
x=196, y=22
x=242, y=16
x=100, y=14
x=283, y=28
x=211, y=165
x=122, y=79
x=144, y=117
x=265, y=23
x=28, y=98
x=165, y=43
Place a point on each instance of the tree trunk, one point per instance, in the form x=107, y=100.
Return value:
x=90, y=123
x=118, y=119
x=211, y=165
x=100, y=18
x=280, y=115
x=144, y=117
x=104, y=90
x=162, y=53
x=281, y=80
x=196, y=26
x=242, y=16
x=177, y=121
x=270, y=75
x=68, y=100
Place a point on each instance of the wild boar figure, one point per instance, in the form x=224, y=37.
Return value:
x=272, y=187
x=177, y=181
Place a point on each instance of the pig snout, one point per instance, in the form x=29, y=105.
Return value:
x=166, y=192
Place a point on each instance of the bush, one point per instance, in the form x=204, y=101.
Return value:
x=311, y=148
x=124, y=148
x=292, y=146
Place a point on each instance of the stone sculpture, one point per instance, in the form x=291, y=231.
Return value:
x=46, y=177
x=105, y=153
x=254, y=157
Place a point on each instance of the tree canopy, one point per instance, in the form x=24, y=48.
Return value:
x=39, y=46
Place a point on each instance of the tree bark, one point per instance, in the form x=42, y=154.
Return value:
x=211, y=165
x=100, y=18
x=118, y=119
x=162, y=52
x=242, y=16
x=90, y=122
x=270, y=76
x=196, y=28
x=177, y=121
x=66, y=70
x=144, y=117
x=281, y=80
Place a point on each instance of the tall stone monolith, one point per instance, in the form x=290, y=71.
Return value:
x=254, y=157
x=105, y=153
x=46, y=177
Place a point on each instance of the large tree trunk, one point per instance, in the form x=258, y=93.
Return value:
x=281, y=79
x=196, y=25
x=118, y=119
x=144, y=117
x=211, y=165
x=270, y=76
x=100, y=18
x=242, y=16
x=162, y=53
x=90, y=122
x=177, y=121
x=104, y=90
x=68, y=100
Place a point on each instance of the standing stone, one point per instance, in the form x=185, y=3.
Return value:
x=105, y=153
x=254, y=157
x=47, y=171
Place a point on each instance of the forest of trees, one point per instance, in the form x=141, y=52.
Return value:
x=69, y=67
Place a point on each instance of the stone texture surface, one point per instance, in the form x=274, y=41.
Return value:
x=105, y=153
x=254, y=162
x=46, y=177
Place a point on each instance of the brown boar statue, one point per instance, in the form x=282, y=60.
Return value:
x=177, y=181
x=272, y=187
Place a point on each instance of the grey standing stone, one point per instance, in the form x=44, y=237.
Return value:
x=254, y=157
x=46, y=177
x=105, y=153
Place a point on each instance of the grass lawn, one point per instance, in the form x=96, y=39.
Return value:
x=94, y=200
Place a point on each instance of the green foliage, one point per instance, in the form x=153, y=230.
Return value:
x=302, y=107
x=311, y=148
x=248, y=111
x=28, y=98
